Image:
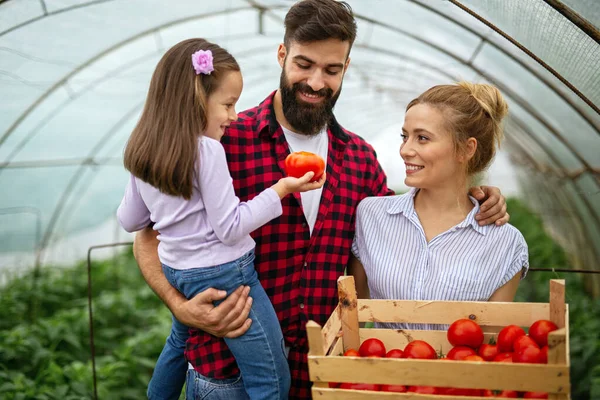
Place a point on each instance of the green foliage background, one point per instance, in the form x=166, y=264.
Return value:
x=44, y=329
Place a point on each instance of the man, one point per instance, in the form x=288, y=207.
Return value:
x=300, y=255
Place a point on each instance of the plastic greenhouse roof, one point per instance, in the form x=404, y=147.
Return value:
x=74, y=74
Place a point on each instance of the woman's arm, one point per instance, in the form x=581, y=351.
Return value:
x=356, y=269
x=508, y=290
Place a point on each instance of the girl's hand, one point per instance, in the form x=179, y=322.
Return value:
x=290, y=184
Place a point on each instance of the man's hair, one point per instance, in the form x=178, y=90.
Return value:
x=162, y=149
x=314, y=20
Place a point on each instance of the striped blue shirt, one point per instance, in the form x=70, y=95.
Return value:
x=468, y=262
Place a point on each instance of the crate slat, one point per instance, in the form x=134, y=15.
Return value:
x=348, y=312
x=337, y=394
x=440, y=373
x=446, y=312
x=331, y=329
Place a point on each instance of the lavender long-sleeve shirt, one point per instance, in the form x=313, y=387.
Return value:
x=211, y=228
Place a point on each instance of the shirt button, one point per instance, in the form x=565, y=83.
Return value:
x=304, y=224
x=302, y=305
x=306, y=264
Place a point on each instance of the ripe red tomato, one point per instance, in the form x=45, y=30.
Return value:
x=544, y=355
x=360, y=386
x=535, y=395
x=395, y=353
x=300, y=162
x=460, y=352
x=504, y=357
x=464, y=332
x=419, y=349
x=351, y=353
x=540, y=329
x=507, y=337
x=511, y=394
x=529, y=354
x=423, y=389
x=461, y=392
x=524, y=341
x=372, y=347
x=474, y=357
x=393, y=388
x=488, y=351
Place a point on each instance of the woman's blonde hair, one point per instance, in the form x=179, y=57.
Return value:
x=472, y=110
x=162, y=149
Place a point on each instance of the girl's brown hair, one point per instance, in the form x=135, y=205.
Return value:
x=162, y=149
x=471, y=110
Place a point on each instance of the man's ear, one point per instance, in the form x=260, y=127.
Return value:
x=281, y=53
x=346, y=64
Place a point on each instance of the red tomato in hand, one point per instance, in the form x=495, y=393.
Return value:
x=460, y=352
x=535, y=395
x=488, y=351
x=300, y=162
x=529, y=354
x=393, y=388
x=524, y=341
x=464, y=332
x=360, y=386
x=507, y=337
x=540, y=329
x=395, y=353
x=511, y=394
x=423, y=389
x=419, y=349
x=372, y=347
x=351, y=353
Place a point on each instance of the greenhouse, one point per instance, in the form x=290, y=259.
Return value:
x=74, y=76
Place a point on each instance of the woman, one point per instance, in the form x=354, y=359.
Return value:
x=427, y=244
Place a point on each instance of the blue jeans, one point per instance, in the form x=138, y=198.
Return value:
x=199, y=387
x=259, y=352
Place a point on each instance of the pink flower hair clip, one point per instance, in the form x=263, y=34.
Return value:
x=203, y=62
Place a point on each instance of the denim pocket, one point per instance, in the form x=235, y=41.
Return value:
x=199, y=387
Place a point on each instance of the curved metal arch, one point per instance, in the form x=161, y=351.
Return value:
x=103, y=53
x=47, y=14
x=504, y=89
x=93, y=84
x=517, y=60
x=528, y=52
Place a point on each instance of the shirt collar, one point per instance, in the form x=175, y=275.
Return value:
x=404, y=204
x=266, y=121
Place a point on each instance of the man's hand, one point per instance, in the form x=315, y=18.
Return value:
x=229, y=319
x=493, y=209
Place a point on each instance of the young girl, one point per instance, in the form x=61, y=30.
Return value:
x=180, y=182
x=426, y=244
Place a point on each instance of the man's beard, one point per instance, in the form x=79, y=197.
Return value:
x=306, y=118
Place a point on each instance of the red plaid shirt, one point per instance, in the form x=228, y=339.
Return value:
x=298, y=271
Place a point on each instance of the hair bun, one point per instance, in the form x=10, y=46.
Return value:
x=489, y=98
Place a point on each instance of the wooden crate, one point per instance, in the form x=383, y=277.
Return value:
x=341, y=332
